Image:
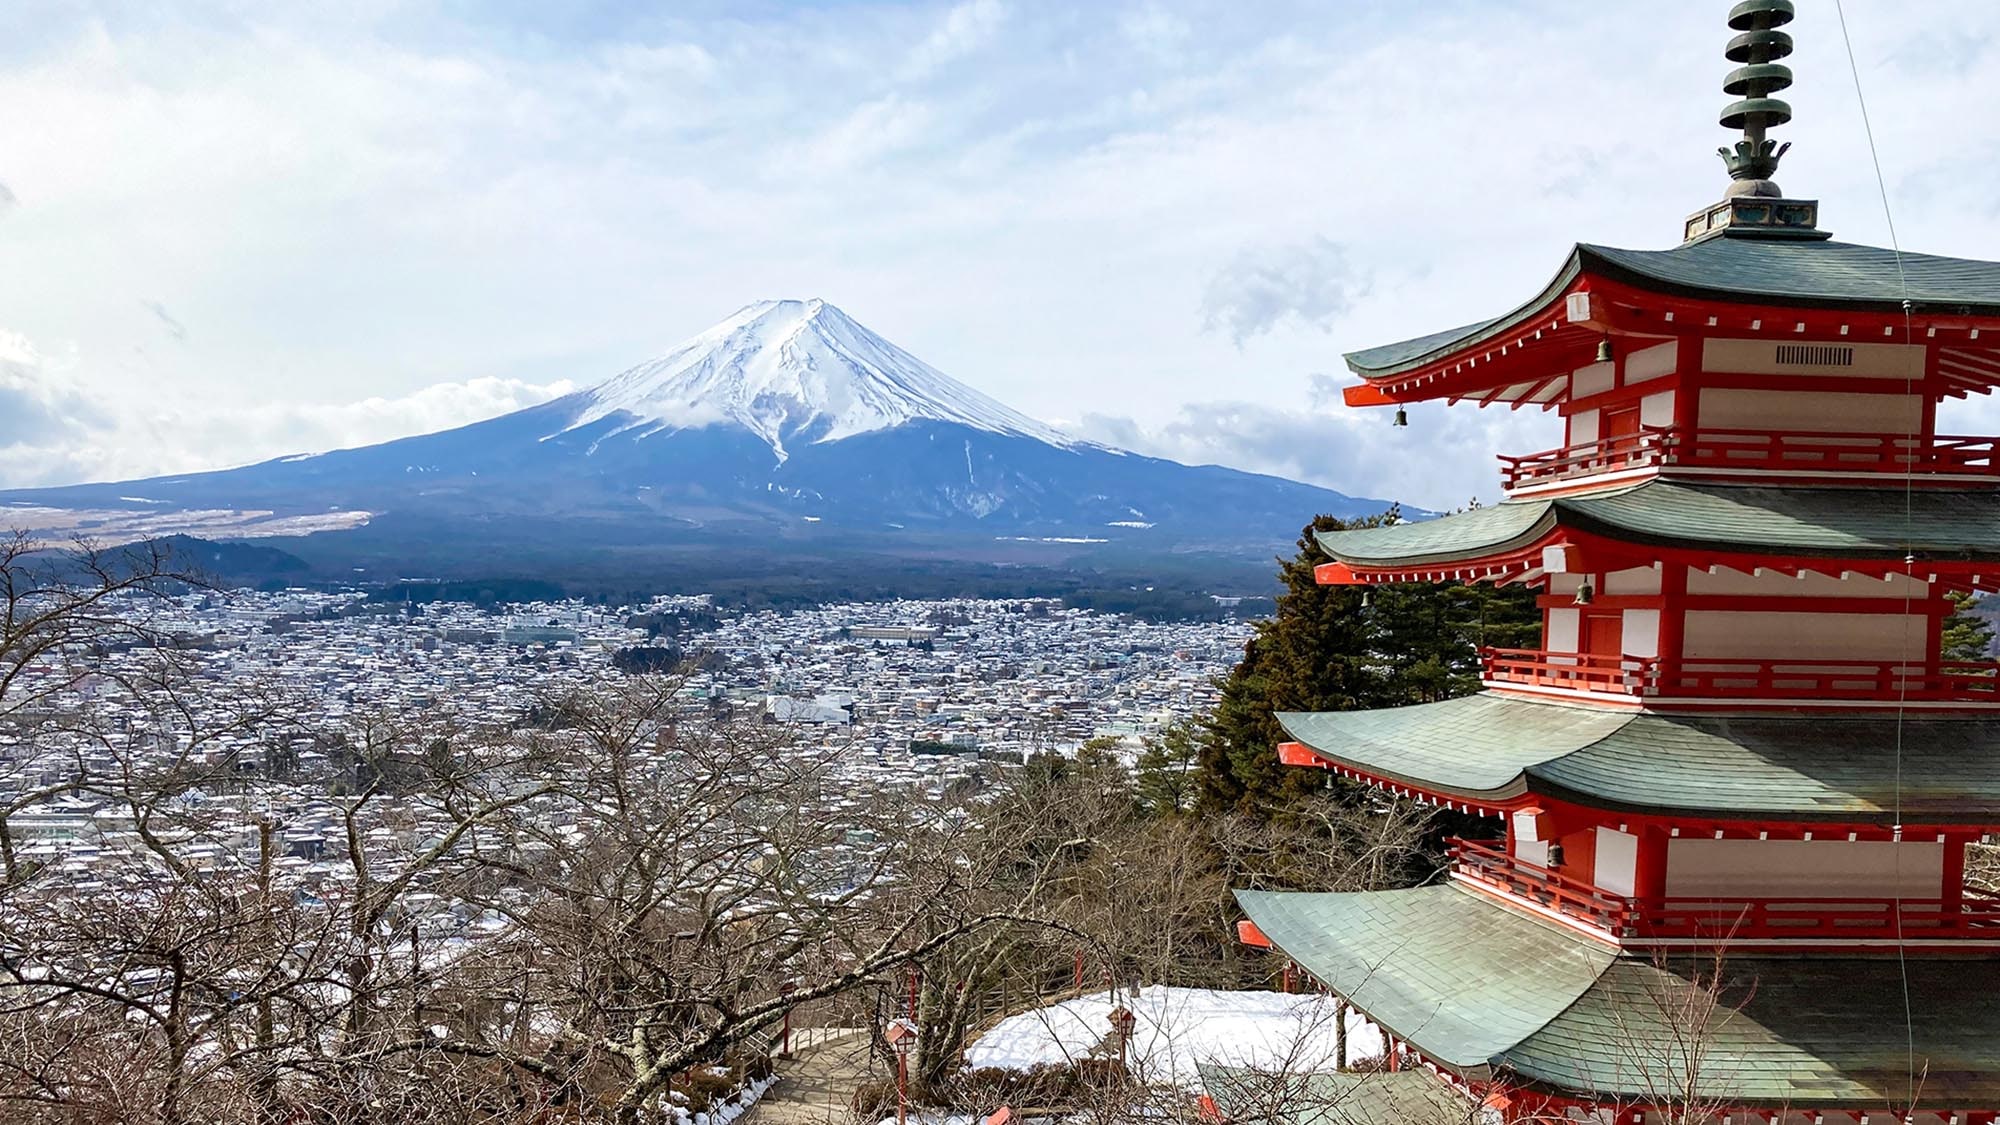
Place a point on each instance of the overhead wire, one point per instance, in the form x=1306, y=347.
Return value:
x=1909, y=549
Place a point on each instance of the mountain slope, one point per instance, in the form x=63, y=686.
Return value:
x=794, y=371
x=786, y=414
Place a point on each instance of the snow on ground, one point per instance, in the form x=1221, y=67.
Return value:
x=110, y=527
x=723, y=1113
x=1181, y=1029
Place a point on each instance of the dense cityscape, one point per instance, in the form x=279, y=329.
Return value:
x=900, y=693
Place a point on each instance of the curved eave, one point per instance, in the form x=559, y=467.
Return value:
x=1461, y=979
x=1410, y=355
x=1755, y=272
x=1486, y=991
x=1461, y=537
x=1954, y=530
x=1491, y=751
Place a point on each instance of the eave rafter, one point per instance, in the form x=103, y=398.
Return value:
x=1599, y=554
x=1529, y=361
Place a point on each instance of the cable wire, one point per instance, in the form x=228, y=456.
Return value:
x=1909, y=549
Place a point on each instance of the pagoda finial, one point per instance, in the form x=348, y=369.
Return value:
x=1753, y=207
x=1757, y=47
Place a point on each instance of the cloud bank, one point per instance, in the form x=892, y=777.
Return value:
x=228, y=231
x=54, y=430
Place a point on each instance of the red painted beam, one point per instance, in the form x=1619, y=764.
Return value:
x=1299, y=754
x=1248, y=933
x=1337, y=574
x=1367, y=394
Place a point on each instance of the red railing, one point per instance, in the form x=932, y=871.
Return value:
x=1578, y=671
x=1858, y=918
x=1542, y=885
x=1722, y=919
x=1645, y=448
x=1763, y=450
x=1951, y=681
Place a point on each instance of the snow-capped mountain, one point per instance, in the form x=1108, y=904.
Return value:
x=795, y=372
x=788, y=416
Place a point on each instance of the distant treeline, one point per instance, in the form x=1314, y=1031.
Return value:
x=477, y=591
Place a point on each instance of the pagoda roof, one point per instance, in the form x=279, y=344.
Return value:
x=1479, y=988
x=1462, y=980
x=1788, y=272
x=1491, y=749
x=1849, y=523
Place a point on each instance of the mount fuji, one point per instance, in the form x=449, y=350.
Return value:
x=786, y=418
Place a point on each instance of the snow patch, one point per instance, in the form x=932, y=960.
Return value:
x=1047, y=539
x=796, y=371
x=1128, y=523
x=1180, y=1030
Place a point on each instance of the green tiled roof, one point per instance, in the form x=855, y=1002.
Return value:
x=1804, y=1032
x=1825, y=767
x=1832, y=522
x=1775, y=271
x=1460, y=979
x=1479, y=988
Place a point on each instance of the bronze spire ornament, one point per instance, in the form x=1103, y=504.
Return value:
x=1758, y=47
x=1754, y=206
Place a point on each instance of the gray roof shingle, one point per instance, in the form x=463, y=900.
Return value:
x=1771, y=271
x=1855, y=523
x=1828, y=768
x=1480, y=988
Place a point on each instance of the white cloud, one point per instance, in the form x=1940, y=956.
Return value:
x=1312, y=282
x=54, y=430
x=1440, y=461
x=1080, y=209
x=966, y=27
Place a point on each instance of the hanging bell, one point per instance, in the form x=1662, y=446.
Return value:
x=1584, y=593
x=1604, y=350
x=1367, y=598
x=1402, y=417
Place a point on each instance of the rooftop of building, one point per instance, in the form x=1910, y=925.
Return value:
x=1485, y=991
x=1489, y=749
x=1846, y=523
x=1767, y=271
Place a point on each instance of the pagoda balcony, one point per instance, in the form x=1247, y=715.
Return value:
x=1974, y=915
x=1793, y=680
x=1764, y=451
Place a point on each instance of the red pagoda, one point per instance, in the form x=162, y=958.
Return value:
x=1739, y=779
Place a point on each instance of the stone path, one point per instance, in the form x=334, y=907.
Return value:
x=818, y=1081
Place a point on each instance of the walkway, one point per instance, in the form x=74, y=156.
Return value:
x=819, y=1079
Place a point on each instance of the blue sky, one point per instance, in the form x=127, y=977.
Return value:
x=236, y=230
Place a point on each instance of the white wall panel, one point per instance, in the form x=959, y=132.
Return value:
x=1811, y=411
x=1727, y=635
x=1651, y=363
x=1804, y=869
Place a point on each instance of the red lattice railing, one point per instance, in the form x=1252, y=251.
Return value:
x=1713, y=918
x=1761, y=450
x=1949, y=681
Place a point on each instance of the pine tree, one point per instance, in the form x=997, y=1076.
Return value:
x=1336, y=648
x=1167, y=771
x=1968, y=633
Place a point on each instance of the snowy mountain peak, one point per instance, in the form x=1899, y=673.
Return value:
x=795, y=372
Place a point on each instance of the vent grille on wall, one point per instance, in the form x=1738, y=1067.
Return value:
x=1815, y=355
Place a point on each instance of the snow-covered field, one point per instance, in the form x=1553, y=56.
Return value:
x=1180, y=1030
x=110, y=527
